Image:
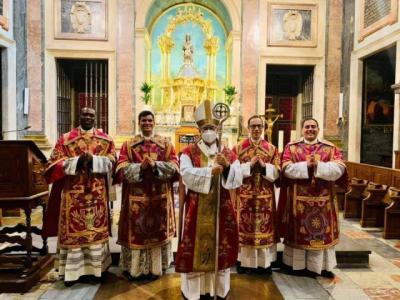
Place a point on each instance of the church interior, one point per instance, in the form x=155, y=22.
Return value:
x=282, y=60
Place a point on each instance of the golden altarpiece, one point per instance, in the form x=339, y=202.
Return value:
x=181, y=93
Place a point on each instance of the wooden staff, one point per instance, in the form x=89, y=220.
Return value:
x=220, y=112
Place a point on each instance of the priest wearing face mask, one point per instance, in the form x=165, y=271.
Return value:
x=307, y=207
x=200, y=165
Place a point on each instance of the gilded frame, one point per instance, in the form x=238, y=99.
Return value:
x=310, y=41
x=100, y=20
x=389, y=19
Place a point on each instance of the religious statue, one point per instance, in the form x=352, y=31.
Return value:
x=187, y=50
x=270, y=120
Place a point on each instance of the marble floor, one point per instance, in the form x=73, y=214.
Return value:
x=380, y=281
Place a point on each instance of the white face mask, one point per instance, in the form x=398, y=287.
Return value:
x=209, y=136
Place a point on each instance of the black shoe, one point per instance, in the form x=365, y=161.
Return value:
x=152, y=277
x=327, y=274
x=69, y=283
x=128, y=276
x=310, y=274
x=240, y=269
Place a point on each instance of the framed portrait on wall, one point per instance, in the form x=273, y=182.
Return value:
x=378, y=96
x=292, y=25
x=187, y=114
x=376, y=14
x=81, y=20
x=4, y=7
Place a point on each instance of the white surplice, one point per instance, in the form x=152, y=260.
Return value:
x=199, y=180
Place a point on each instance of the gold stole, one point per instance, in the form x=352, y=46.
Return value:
x=204, y=248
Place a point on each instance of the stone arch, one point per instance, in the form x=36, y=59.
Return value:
x=225, y=9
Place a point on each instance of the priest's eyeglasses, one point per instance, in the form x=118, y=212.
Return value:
x=254, y=126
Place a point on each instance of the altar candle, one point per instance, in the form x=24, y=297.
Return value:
x=340, y=105
x=280, y=140
x=293, y=135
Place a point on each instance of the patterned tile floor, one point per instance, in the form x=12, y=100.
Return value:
x=381, y=281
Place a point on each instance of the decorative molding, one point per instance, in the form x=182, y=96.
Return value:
x=81, y=20
x=292, y=25
x=366, y=29
x=40, y=140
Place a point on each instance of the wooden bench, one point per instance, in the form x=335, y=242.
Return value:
x=380, y=202
x=353, y=198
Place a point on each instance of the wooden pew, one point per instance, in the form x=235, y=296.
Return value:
x=353, y=198
x=391, y=229
x=373, y=209
x=383, y=188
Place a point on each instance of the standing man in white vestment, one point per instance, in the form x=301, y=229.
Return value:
x=307, y=207
x=200, y=165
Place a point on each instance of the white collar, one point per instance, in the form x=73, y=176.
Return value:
x=91, y=130
x=208, y=150
x=255, y=141
x=310, y=143
x=147, y=137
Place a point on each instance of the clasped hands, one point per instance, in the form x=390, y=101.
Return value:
x=257, y=159
x=311, y=161
x=220, y=163
x=147, y=162
x=85, y=161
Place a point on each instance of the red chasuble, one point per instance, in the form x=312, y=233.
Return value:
x=307, y=208
x=256, y=201
x=78, y=205
x=196, y=252
x=147, y=216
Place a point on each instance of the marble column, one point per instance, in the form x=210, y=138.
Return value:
x=125, y=67
x=333, y=67
x=250, y=56
x=34, y=65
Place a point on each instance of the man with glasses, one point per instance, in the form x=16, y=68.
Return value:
x=147, y=166
x=307, y=208
x=201, y=165
x=260, y=165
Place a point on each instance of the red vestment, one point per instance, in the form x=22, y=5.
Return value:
x=256, y=197
x=196, y=251
x=78, y=205
x=307, y=207
x=147, y=216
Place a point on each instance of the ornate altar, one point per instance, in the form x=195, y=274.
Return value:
x=187, y=88
x=22, y=186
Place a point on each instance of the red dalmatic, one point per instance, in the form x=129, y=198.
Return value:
x=78, y=206
x=307, y=208
x=256, y=201
x=147, y=216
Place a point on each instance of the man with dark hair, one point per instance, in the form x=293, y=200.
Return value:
x=201, y=165
x=147, y=166
x=260, y=164
x=307, y=207
x=78, y=206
